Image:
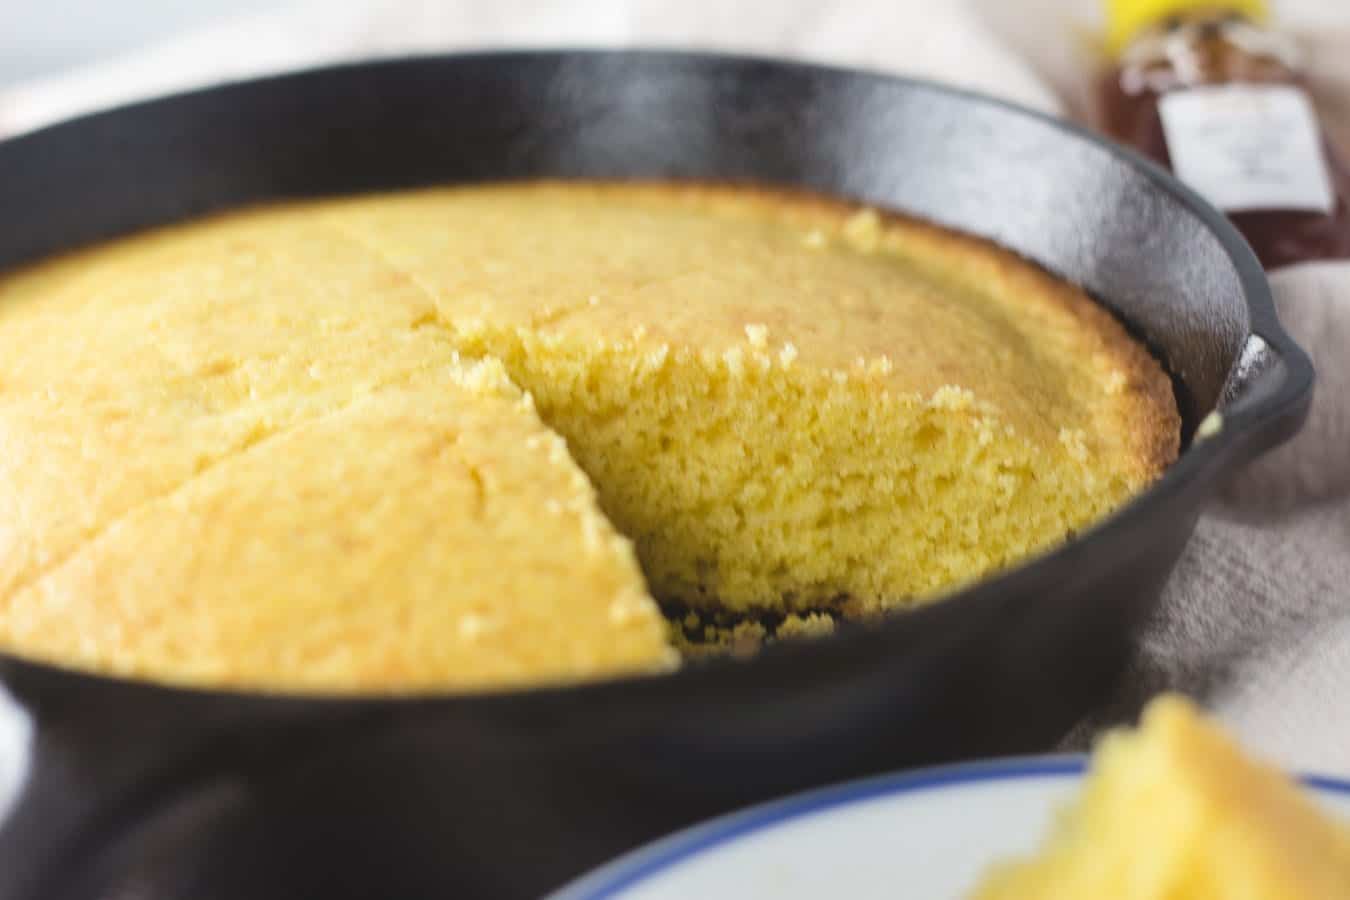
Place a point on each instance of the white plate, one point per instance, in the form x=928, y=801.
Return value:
x=923, y=835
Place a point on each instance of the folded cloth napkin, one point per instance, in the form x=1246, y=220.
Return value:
x=1256, y=620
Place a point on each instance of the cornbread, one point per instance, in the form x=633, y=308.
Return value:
x=1176, y=812
x=788, y=403
x=301, y=446
x=224, y=469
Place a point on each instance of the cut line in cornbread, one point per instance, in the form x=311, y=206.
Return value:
x=787, y=404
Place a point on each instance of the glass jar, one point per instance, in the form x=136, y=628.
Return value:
x=1207, y=89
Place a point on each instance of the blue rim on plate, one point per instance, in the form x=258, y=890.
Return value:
x=641, y=864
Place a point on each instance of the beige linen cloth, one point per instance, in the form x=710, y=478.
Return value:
x=1257, y=617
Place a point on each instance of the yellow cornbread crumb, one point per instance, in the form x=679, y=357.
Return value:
x=1175, y=811
x=811, y=625
x=862, y=230
x=696, y=638
x=815, y=239
x=212, y=430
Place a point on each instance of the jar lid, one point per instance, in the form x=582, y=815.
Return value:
x=1127, y=18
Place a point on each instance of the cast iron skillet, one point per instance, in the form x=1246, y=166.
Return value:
x=136, y=790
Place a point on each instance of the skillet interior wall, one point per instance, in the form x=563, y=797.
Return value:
x=1072, y=206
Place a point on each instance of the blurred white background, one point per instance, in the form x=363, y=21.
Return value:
x=39, y=38
x=42, y=37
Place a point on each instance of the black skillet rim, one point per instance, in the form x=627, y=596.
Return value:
x=1252, y=420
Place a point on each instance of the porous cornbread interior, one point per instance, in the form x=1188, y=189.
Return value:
x=1177, y=812
x=316, y=419
x=784, y=402
x=230, y=460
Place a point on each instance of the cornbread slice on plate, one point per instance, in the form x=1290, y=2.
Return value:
x=252, y=478
x=1175, y=811
x=296, y=448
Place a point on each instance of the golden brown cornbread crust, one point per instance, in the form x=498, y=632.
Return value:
x=718, y=359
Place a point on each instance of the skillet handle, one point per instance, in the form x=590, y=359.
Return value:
x=68, y=747
x=1268, y=393
x=16, y=751
x=75, y=752
x=100, y=761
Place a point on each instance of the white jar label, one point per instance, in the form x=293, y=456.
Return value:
x=1248, y=147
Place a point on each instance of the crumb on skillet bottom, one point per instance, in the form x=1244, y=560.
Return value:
x=709, y=632
x=780, y=400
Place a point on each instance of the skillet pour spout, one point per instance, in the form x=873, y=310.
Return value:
x=129, y=789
